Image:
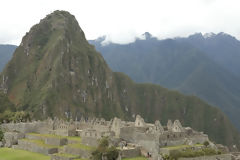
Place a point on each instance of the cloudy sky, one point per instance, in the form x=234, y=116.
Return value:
x=123, y=20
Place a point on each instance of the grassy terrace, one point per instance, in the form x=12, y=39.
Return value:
x=65, y=155
x=81, y=146
x=15, y=154
x=46, y=135
x=136, y=158
x=74, y=138
x=74, y=145
x=56, y=136
x=182, y=146
x=40, y=143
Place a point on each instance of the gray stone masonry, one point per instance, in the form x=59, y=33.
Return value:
x=130, y=152
x=77, y=151
x=151, y=137
x=89, y=141
x=32, y=147
x=56, y=141
x=11, y=138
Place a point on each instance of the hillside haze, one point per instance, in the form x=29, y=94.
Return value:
x=56, y=72
x=196, y=65
x=6, y=52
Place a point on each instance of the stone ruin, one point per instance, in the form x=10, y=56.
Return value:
x=140, y=136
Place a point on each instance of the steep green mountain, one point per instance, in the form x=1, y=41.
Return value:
x=6, y=52
x=177, y=64
x=5, y=104
x=55, y=72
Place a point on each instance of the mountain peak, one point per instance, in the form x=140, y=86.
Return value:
x=57, y=27
x=147, y=35
x=209, y=35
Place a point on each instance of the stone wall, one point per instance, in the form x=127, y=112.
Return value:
x=42, y=127
x=56, y=141
x=77, y=151
x=137, y=135
x=11, y=138
x=130, y=153
x=89, y=141
x=32, y=147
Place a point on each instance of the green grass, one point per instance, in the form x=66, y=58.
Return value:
x=46, y=135
x=74, y=138
x=65, y=155
x=136, y=158
x=81, y=146
x=182, y=146
x=14, y=154
x=40, y=143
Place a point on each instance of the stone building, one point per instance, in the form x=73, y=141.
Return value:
x=148, y=137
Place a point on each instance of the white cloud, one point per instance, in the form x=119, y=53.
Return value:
x=123, y=20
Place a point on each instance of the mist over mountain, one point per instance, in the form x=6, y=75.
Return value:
x=206, y=66
x=56, y=72
x=6, y=52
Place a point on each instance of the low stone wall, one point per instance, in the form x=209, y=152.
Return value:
x=77, y=151
x=215, y=157
x=30, y=146
x=34, y=137
x=130, y=153
x=71, y=141
x=11, y=138
x=56, y=141
x=38, y=126
x=89, y=141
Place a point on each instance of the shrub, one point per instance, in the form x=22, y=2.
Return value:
x=20, y=116
x=206, y=143
x=1, y=134
x=188, y=153
x=103, y=150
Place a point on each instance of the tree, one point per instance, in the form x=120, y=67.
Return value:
x=206, y=143
x=103, y=150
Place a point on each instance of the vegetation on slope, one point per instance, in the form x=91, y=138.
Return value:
x=194, y=66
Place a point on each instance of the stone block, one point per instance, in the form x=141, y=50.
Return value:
x=55, y=141
x=11, y=138
x=130, y=153
x=33, y=147
x=89, y=141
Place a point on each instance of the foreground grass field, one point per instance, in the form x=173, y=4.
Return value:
x=14, y=154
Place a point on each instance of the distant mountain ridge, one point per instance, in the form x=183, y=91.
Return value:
x=190, y=65
x=6, y=52
x=222, y=48
x=56, y=72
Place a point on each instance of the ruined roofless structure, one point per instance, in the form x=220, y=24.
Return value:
x=151, y=137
